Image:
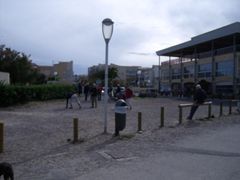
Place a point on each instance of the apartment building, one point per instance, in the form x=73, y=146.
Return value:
x=63, y=71
x=126, y=74
x=211, y=59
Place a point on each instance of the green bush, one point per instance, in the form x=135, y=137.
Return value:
x=16, y=94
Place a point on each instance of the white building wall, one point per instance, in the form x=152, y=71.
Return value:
x=5, y=77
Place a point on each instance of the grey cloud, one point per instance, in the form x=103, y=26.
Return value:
x=71, y=30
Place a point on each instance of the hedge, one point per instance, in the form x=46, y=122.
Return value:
x=16, y=94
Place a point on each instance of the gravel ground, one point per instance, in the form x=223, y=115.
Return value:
x=36, y=135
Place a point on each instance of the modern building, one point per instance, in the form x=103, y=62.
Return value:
x=211, y=59
x=126, y=74
x=46, y=70
x=63, y=71
x=156, y=70
x=147, y=77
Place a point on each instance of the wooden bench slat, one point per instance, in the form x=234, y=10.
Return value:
x=191, y=104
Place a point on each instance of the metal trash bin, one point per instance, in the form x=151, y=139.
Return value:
x=120, y=116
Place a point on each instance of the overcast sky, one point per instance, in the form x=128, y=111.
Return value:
x=63, y=30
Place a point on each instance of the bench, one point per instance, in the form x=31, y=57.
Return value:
x=181, y=106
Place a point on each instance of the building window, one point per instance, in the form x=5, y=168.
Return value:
x=204, y=70
x=224, y=91
x=176, y=73
x=165, y=74
x=131, y=72
x=188, y=71
x=224, y=68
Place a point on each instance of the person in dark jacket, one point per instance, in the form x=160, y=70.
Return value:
x=70, y=97
x=199, y=98
x=6, y=170
x=86, y=91
x=93, y=92
x=128, y=96
x=80, y=88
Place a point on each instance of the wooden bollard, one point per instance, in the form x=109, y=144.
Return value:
x=230, y=107
x=221, y=109
x=1, y=137
x=162, y=117
x=180, y=114
x=209, y=111
x=75, y=130
x=139, y=122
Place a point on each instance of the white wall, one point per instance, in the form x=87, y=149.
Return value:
x=5, y=77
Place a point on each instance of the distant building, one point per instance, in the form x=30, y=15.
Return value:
x=211, y=59
x=126, y=74
x=62, y=71
x=147, y=75
x=156, y=70
x=5, y=77
x=46, y=70
x=96, y=68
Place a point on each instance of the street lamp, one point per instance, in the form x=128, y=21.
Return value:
x=55, y=75
x=139, y=76
x=107, y=30
x=159, y=75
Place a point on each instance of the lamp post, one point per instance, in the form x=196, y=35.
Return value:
x=159, y=75
x=107, y=30
x=139, y=76
x=55, y=75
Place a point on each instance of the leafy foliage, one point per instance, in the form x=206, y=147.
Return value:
x=112, y=73
x=17, y=94
x=20, y=67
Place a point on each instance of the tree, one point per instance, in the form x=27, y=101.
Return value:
x=112, y=73
x=19, y=66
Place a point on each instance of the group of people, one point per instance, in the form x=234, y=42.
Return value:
x=88, y=90
x=95, y=93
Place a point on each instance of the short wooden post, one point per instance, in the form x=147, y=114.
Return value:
x=75, y=130
x=209, y=110
x=1, y=137
x=162, y=118
x=180, y=114
x=139, y=122
x=221, y=109
x=230, y=107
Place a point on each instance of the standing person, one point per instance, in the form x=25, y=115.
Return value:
x=238, y=103
x=238, y=106
x=99, y=92
x=86, y=91
x=80, y=88
x=128, y=96
x=198, y=98
x=93, y=92
x=118, y=91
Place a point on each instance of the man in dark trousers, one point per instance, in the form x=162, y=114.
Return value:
x=86, y=91
x=93, y=92
x=80, y=88
x=199, y=98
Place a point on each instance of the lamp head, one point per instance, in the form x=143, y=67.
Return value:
x=107, y=29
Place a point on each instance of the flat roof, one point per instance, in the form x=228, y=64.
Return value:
x=222, y=37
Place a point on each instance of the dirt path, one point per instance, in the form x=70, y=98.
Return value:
x=36, y=136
